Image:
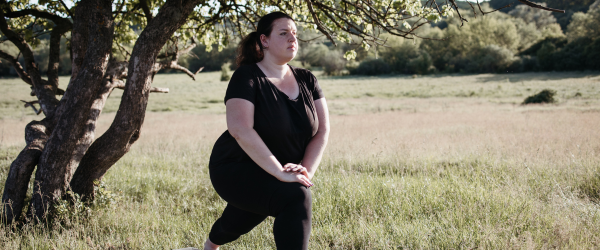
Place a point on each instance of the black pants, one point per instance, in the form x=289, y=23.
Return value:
x=252, y=194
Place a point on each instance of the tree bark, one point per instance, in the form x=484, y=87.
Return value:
x=58, y=159
x=114, y=72
x=125, y=129
x=79, y=42
x=21, y=169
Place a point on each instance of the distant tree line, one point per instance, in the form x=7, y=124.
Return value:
x=519, y=40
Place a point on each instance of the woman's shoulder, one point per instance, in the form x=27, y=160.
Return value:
x=244, y=69
x=304, y=73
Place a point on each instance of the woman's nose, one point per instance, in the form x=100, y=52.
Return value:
x=293, y=39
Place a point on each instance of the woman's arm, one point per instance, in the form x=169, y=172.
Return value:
x=240, y=123
x=316, y=146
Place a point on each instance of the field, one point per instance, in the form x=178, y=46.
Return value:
x=413, y=162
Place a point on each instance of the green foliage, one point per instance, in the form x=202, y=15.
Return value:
x=211, y=60
x=465, y=47
x=580, y=51
x=313, y=54
x=333, y=62
x=544, y=96
x=72, y=209
x=398, y=55
x=563, y=19
x=104, y=198
x=539, y=17
x=490, y=59
x=585, y=25
x=371, y=67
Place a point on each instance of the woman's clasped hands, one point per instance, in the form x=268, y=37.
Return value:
x=296, y=173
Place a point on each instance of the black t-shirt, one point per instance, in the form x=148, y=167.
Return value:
x=286, y=126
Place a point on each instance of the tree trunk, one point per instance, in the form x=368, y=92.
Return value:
x=57, y=162
x=21, y=169
x=125, y=129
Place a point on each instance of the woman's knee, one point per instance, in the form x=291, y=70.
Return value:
x=298, y=193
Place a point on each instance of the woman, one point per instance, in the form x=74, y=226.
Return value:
x=278, y=125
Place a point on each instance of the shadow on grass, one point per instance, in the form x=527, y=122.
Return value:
x=590, y=188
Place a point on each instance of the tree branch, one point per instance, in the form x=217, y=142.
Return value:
x=66, y=8
x=54, y=53
x=318, y=22
x=146, y=8
x=484, y=13
x=18, y=68
x=121, y=85
x=172, y=63
x=462, y=20
x=58, y=20
x=540, y=6
x=30, y=104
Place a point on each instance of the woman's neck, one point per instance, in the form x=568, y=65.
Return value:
x=273, y=69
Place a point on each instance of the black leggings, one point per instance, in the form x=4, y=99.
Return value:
x=252, y=194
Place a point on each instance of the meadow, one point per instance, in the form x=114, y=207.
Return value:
x=413, y=162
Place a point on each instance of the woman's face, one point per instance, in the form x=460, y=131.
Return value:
x=281, y=43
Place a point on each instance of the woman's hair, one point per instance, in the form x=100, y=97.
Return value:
x=250, y=49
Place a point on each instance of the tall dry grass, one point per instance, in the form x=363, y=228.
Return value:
x=437, y=172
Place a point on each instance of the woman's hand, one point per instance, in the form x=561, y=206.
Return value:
x=290, y=176
x=297, y=168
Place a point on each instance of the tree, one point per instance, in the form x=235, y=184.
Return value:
x=63, y=145
x=539, y=17
x=570, y=6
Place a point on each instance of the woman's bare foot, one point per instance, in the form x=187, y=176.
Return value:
x=208, y=245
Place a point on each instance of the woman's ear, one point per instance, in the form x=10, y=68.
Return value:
x=264, y=40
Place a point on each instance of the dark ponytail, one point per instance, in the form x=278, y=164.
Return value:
x=250, y=50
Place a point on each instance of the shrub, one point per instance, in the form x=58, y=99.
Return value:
x=333, y=62
x=584, y=25
x=422, y=64
x=545, y=96
x=593, y=54
x=539, y=17
x=523, y=64
x=314, y=55
x=398, y=57
x=545, y=56
x=372, y=67
x=491, y=59
x=225, y=72
x=211, y=60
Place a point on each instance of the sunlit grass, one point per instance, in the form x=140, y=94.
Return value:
x=441, y=171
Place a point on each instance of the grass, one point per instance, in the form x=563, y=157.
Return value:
x=433, y=170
